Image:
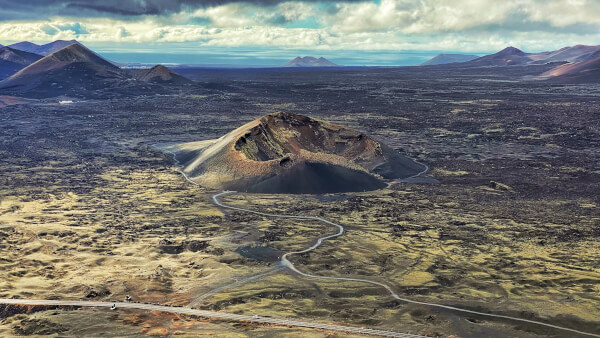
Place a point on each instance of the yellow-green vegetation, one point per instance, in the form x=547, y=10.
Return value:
x=493, y=129
x=133, y=230
x=440, y=132
x=88, y=211
x=435, y=247
x=70, y=244
x=442, y=172
x=197, y=97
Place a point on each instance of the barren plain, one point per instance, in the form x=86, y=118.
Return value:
x=90, y=210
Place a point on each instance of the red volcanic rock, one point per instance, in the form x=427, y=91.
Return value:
x=584, y=71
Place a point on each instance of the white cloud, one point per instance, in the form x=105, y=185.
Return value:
x=451, y=25
x=564, y=13
x=121, y=33
x=438, y=16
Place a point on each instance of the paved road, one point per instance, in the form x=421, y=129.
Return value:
x=212, y=315
x=284, y=259
x=286, y=262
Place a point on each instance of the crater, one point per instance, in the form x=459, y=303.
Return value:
x=293, y=154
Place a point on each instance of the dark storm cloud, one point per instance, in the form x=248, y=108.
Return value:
x=42, y=9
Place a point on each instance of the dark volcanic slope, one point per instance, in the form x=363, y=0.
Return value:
x=443, y=59
x=289, y=153
x=55, y=46
x=507, y=57
x=73, y=67
x=309, y=61
x=13, y=60
x=317, y=178
x=160, y=74
x=17, y=56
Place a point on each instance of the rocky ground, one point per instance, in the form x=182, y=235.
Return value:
x=89, y=210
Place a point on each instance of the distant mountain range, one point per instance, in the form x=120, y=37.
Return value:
x=309, y=61
x=511, y=56
x=568, y=54
x=576, y=63
x=69, y=68
x=442, y=59
x=44, y=50
x=77, y=71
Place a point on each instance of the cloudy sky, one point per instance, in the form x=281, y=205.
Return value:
x=358, y=32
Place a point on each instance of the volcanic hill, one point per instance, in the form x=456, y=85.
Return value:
x=582, y=71
x=442, y=59
x=13, y=60
x=309, y=61
x=566, y=54
x=73, y=68
x=160, y=74
x=509, y=56
x=289, y=153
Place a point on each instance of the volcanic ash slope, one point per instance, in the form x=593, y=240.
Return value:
x=289, y=153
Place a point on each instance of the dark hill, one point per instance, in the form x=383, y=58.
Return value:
x=55, y=46
x=443, y=59
x=73, y=68
x=25, y=46
x=18, y=56
x=160, y=74
x=13, y=60
x=509, y=56
x=309, y=61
